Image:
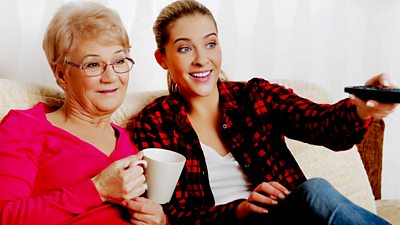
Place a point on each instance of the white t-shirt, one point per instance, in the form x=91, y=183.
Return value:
x=227, y=180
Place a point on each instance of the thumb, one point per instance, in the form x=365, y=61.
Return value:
x=384, y=80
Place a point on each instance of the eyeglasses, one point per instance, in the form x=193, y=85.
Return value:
x=94, y=69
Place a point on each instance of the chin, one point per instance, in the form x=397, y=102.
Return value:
x=109, y=106
x=205, y=92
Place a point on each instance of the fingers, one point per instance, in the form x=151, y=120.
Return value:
x=134, y=187
x=145, y=211
x=261, y=199
x=143, y=205
x=379, y=80
x=377, y=110
x=120, y=181
x=133, y=181
x=254, y=208
x=266, y=194
x=280, y=187
x=246, y=208
x=273, y=189
x=127, y=161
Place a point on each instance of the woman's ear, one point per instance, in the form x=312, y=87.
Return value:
x=160, y=59
x=60, y=78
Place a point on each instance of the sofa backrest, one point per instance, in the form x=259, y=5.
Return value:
x=343, y=169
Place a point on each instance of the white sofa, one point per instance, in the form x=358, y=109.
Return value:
x=344, y=170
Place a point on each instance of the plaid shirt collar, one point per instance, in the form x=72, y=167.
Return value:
x=227, y=100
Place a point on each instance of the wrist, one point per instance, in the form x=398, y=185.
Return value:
x=363, y=114
x=98, y=185
x=241, y=211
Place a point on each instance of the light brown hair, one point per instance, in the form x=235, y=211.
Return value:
x=74, y=21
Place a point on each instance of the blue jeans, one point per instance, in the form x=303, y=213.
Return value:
x=316, y=202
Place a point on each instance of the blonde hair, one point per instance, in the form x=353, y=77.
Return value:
x=74, y=21
x=169, y=15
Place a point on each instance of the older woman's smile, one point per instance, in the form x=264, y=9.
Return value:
x=109, y=91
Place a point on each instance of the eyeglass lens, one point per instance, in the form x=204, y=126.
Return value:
x=97, y=68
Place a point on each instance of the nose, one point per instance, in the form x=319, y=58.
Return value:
x=200, y=57
x=109, y=75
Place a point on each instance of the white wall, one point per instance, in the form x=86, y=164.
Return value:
x=331, y=42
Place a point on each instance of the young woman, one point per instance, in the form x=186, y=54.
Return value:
x=71, y=165
x=238, y=168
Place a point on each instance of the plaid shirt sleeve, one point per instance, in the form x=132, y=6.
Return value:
x=335, y=126
x=188, y=205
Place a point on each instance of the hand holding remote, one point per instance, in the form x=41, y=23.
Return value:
x=380, y=94
x=377, y=98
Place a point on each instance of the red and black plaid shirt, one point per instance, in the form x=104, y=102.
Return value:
x=256, y=116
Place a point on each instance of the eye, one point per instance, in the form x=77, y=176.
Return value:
x=120, y=61
x=211, y=45
x=92, y=65
x=184, y=49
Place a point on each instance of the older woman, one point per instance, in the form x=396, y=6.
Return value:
x=71, y=165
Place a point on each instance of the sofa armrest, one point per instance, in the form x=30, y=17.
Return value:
x=371, y=151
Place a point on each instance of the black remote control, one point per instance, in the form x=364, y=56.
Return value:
x=380, y=94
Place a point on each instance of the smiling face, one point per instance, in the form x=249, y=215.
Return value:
x=192, y=55
x=99, y=95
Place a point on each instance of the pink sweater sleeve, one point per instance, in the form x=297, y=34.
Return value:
x=20, y=161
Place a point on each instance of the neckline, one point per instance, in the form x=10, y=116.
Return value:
x=207, y=149
x=44, y=109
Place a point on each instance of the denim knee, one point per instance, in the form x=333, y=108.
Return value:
x=316, y=185
x=319, y=194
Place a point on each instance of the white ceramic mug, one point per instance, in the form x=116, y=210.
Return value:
x=162, y=169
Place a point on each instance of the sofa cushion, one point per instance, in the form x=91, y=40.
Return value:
x=344, y=169
x=132, y=104
x=19, y=95
x=390, y=210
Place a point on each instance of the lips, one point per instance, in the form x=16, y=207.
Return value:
x=201, y=74
x=108, y=91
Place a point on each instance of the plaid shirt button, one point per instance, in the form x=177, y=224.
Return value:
x=224, y=126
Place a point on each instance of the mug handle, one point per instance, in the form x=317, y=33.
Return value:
x=143, y=163
x=138, y=162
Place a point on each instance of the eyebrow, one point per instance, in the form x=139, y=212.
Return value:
x=188, y=39
x=94, y=55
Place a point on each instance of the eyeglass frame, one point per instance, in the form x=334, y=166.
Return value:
x=82, y=67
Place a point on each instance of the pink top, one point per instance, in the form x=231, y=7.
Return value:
x=45, y=172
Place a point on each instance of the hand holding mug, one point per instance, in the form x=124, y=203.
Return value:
x=121, y=180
